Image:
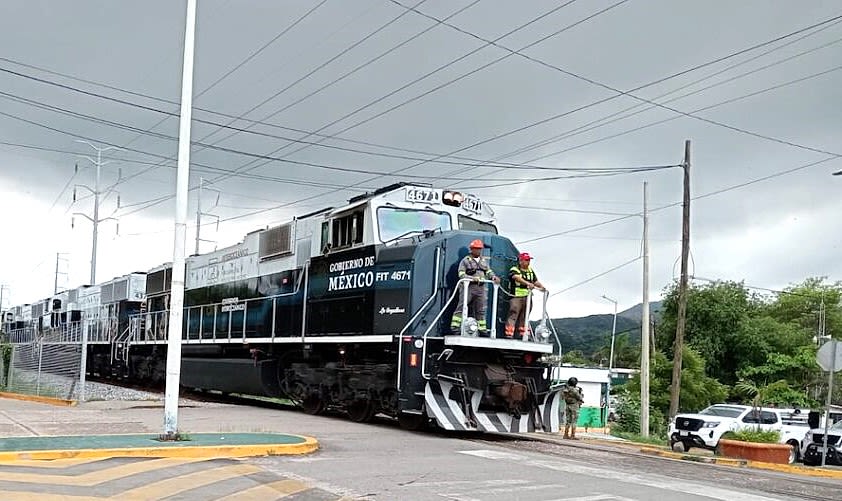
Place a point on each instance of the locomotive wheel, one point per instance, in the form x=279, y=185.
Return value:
x=313, y=405
x=361, y=411
x=413, y=422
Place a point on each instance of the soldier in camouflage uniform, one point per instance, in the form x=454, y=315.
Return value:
x=573, y=399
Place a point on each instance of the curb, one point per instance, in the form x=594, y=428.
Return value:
x=780, y=468
x=38, y=399
x=187, y=452
x=694, y=458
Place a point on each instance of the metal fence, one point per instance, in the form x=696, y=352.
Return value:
x=45, y=368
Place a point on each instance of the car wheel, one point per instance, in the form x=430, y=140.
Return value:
x=793, y=452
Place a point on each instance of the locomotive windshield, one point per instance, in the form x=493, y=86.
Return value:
x=395, y=223
x=471, y=224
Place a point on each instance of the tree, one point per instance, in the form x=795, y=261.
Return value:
x=697, y=389
x=626, y=355
x=716, y=315
x=800, y=304
x=575, y=357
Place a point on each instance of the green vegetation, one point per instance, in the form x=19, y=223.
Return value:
x=741, y=346
x=640, y=439
x=758, y=436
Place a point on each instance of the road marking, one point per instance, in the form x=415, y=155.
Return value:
x=595, y=497
x=471, y=483
x=149, y=478
x=172, y=486
x=94, y=477
x=519, y=488
x=275, y=490
x=643, y=479
x=492, y=454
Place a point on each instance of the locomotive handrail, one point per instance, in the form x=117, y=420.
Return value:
x=435, y=321
x=417, y=314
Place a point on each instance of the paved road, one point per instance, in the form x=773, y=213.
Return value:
x=382, y=462
x=386, y=463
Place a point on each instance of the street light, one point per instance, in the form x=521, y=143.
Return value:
x=838, y=173
x=611, y=355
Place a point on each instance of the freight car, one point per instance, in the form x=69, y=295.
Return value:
x=350, y=309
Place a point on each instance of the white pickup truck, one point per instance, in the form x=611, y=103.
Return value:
x=706, y=428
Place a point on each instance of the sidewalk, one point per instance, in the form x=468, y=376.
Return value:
x=30, y=430
x=600, y=441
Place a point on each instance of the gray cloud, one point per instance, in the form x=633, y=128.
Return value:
x=771, y=233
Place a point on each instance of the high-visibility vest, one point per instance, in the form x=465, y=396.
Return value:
x=528, y=274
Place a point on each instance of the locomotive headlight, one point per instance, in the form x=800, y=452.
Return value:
x=542, y=332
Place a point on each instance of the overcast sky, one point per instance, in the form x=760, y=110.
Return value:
x=293, y=65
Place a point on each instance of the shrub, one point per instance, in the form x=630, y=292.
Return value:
x=755, y=435
x=628, y=417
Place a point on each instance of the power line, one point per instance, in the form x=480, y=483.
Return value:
x=286, y=160
x=158, y=135
x=558, y=209
x=658, y=122
x=606, y=120
x=225, y=115
x=210, y=168
x=392, y=93
x=229, y=73
x=599, y=275
x=625, y=93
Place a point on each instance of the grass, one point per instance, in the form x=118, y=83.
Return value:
x=638, y=438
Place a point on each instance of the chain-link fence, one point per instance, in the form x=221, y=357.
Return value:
x=45, y=368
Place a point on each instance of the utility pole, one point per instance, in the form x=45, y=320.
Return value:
x=611, y=354
x=96, y=193
x=644, y=323
x=182, y=179
x=675, y=388
x=55, y=283
x=199, y=213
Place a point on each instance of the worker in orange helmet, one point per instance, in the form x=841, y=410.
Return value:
x=475, y=267
x=523, y=280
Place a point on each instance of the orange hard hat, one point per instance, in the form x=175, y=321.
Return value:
x=477, y=244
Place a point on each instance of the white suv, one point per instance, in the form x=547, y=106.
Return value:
x=706, y=428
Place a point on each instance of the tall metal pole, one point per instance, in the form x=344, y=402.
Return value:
x=96, y=216
x=183, y=176
x=611, y=353
x=675, y=389
x=829, y=398
x=199, y=214
x=644, y=328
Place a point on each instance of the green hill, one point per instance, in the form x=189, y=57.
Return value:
x=592, y=333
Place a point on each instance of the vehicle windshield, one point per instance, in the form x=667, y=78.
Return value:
x=394, y=223
x=721, y=410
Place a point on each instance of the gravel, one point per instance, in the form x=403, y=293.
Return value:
x=51, y=385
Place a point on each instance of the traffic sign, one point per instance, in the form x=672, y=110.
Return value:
x=826, y=354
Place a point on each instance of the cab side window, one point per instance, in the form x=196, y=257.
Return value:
x=753, y=417
x=767, y=417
